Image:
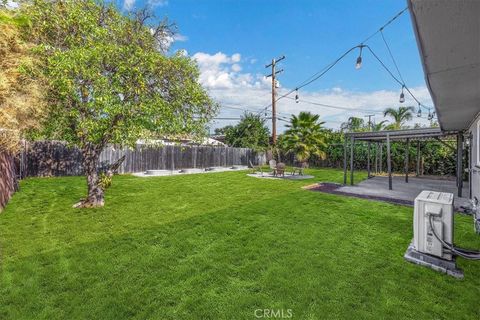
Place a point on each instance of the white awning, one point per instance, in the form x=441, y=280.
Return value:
x=448, y=37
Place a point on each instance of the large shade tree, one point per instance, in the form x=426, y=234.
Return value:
x=305, y=137
x=250, y=132
x=21, y=86
x=399, y=116
x=110, y=80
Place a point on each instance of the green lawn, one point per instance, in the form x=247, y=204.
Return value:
x=219, y=246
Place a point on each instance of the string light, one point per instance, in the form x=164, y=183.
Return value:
x=297, y=99
x=358, y=64
x=402, y=96
x=430, y=116
x=419, y=113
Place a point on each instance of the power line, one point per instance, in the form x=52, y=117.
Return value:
x=336, y=107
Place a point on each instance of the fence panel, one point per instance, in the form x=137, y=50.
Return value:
x=8, y=179
x=55, y=158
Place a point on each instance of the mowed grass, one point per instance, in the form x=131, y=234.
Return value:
x=219, y=246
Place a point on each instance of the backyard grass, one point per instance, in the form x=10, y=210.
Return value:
x=219, y=246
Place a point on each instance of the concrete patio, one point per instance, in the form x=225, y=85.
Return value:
x=269, y=175
x=377, y=188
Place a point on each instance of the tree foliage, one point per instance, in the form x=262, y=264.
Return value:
x=22, y=101
x=305, y=137
x=110, y=80
x=250, y=132
x=353, y=124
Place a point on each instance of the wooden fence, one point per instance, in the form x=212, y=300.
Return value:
x=8, y=179
x=54, y=158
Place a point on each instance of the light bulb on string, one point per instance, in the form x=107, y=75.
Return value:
x=358, y=64
x=297, y=99
x=429, y=115
x=402, y=96
x=419, y=113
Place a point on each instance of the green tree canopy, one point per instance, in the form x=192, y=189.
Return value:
x=110, y=80
x=305, y=136
x=250, y=132
x=223, y=130
x=399, y=116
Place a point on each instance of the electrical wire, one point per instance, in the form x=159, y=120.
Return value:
x=395, y=78
x=385, y=25
x=329, y=66
x=464, y=253
x=391, y=56
x=337, y=107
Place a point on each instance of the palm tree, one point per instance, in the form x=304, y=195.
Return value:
x=400, y=116
x=305, y=136
x=353, y=124
x=379, y=126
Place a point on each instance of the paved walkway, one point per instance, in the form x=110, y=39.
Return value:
x=377, y=187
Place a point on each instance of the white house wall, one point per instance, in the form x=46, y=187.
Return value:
x=475, y=160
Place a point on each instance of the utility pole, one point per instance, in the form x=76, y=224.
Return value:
x=274, y=96
x=370, y=121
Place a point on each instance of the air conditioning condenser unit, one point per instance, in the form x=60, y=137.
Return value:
x=432, y=229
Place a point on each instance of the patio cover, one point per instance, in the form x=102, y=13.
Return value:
x=405, y=135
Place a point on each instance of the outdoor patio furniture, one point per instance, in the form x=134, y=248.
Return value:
x=255, y=168
x=273, y=165
x=299, y=168
x=280, y=170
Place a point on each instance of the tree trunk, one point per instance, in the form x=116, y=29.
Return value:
x=95, y=196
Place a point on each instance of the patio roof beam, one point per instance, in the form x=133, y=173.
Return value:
x=412, y=134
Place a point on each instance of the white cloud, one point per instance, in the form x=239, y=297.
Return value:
x=169, y=40
x=128, y=4
x=180, y=37
x=11, y=4
x=221, y=75
x=158, y=3
x=236, y=57
x=236, y=67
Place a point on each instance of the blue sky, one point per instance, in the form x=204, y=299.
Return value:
x=233, y=40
